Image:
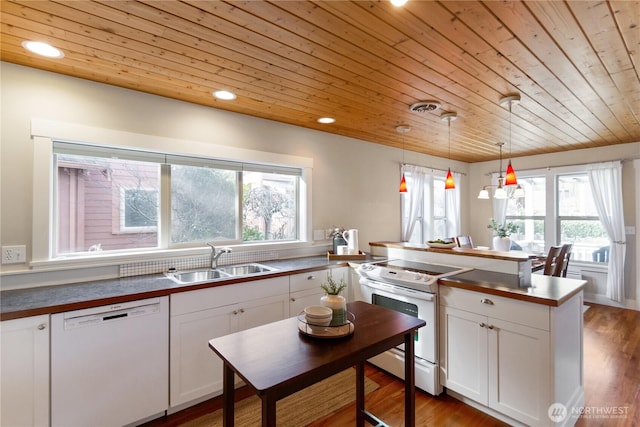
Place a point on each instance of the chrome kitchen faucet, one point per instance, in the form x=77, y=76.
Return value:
x=215, y=255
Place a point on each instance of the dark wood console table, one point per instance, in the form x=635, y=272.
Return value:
x=276, y=360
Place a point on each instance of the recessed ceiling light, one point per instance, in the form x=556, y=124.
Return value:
x=225, y=95
x=41, y=48
x=398, y=3
x=326, y=120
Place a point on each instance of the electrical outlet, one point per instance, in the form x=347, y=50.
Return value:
x=327, y=233
x=14, y=254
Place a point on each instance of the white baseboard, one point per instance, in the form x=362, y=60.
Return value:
x=603, y=300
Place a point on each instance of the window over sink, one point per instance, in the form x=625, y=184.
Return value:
x=109, y=200
x=111, y=195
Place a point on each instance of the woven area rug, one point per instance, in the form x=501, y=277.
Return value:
x=300, y=408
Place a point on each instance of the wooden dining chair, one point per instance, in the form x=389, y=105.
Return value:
x=552, y=260
x=562, y=264
x=464, y=241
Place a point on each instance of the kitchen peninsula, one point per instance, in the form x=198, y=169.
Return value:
x=512, y=262
x=511, y=342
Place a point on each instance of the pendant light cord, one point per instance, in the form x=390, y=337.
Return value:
x=449, y=121
x=510, y=124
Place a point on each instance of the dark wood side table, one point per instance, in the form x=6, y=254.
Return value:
x=276, y=360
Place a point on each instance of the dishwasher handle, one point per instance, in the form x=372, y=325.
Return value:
x=100, y=315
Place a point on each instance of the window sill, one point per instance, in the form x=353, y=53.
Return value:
x=106, y=259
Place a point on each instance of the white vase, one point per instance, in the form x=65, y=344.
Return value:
x=501, y=244
x=338, y=304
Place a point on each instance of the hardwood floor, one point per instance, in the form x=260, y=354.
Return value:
x=612, y=384
x=611, y=367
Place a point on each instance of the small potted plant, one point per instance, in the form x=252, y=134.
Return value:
x=501, y=240
x=334, y=300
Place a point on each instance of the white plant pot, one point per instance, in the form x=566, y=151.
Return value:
x=338, y=304
x=501, y=244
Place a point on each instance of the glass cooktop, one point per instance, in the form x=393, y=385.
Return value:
x=419, y=267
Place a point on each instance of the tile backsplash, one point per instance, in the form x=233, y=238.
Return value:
x=193, y=262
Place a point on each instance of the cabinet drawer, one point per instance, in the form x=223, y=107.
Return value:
x=305, y=281
x=203, y=299
x=313, y=279
x=524, y=313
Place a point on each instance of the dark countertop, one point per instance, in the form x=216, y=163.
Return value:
x=59, y=298
x=18, y=303
x=546, y=290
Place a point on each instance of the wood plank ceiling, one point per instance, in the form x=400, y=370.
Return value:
x=573, y=63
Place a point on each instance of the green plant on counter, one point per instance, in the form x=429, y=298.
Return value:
x=331, y=287
x=337, y=231
x=502, y=230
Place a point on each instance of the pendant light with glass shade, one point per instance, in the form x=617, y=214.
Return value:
x=449, y=184
x=402, y=129
x=500, y=192
x=510, y=178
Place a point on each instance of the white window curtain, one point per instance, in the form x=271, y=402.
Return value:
x=606, y=185
x=418, y=199
x=414, y=199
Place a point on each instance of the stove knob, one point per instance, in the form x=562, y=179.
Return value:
x=418, y=276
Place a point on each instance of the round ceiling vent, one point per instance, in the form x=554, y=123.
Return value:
x=424, y=106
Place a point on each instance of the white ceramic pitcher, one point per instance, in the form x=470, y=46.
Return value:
x=351, y=237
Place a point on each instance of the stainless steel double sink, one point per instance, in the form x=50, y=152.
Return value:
x=211, y=274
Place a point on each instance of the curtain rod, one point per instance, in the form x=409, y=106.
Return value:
x=434, y=169
x=624, y=160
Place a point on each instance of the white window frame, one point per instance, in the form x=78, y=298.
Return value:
x=44, y=132
x=552, y=219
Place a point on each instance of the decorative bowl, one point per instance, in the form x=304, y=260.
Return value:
x=440, y=245
x=318, y=315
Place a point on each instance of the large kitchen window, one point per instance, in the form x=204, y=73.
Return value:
x=115, y=199
x=558, y=208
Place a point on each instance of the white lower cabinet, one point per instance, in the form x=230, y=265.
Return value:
x=25, y=371
x=305, y=287
x=463, y=353
x=198, y=316
x=507, y=355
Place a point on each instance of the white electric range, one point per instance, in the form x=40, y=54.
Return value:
x=410, y=288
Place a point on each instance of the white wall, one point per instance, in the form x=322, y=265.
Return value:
x=355, y=183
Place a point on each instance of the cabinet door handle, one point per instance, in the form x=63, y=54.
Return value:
x=242, y=310
x=486, y=301
x=482, y=325
x=293, y=299
x=42, y=326
x=311, y=277
x=490, y=326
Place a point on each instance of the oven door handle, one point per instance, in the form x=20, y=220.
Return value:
x=398, y=290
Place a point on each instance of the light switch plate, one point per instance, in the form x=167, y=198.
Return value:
x=629, y=229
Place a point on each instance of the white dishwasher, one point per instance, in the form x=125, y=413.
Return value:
x=110, y=364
